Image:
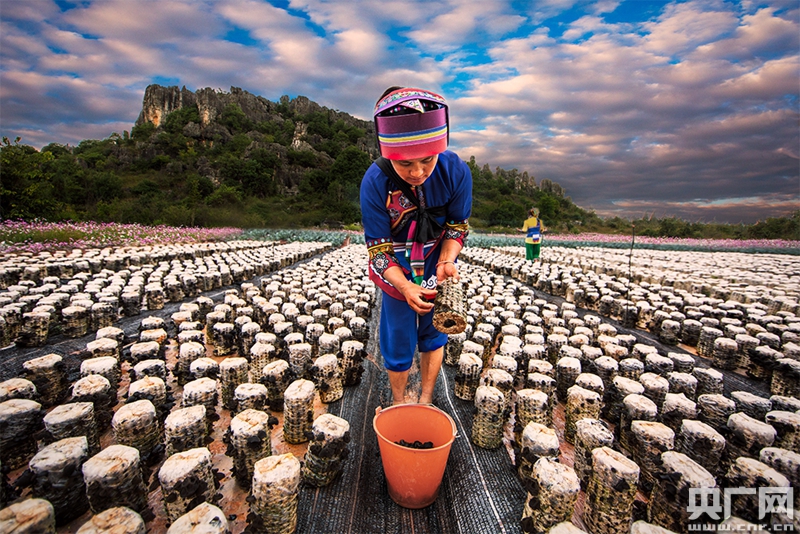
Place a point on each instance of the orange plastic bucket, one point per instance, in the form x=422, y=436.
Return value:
x=414, y=475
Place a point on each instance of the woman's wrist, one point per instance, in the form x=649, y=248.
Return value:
x=444, y=262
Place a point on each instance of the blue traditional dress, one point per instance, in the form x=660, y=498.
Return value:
x=388, y=217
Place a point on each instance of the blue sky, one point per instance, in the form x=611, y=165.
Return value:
x=686, y=109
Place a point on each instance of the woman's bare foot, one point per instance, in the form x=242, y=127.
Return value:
x=408, y=398
x=404, y=400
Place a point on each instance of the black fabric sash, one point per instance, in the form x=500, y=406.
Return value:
x=427, y=227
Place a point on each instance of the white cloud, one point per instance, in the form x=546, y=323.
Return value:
x=604, y=6
x=758, y=36
x=29, y=10
x=19, y=49
x=151, y=21
x=685, y=26
x=463, y=23
x=771, y=81
x=545, y=9
x=359, y=48
x=339, y=16
x=265, y=22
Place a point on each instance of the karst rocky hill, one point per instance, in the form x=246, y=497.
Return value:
x=281, y=128
x=160, y=101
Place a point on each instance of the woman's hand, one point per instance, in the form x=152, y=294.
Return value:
x=445, y=270
x=446, y=266
x=418, y=298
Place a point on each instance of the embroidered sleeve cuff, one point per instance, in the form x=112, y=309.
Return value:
x=458, y=230
x=381, y=255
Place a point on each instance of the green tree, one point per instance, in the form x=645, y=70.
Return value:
x=233, y=118
x=286, y=134
x=143, y=132
x=269, y=128
x=179, y=118
x=147, y=188
x=319, y=124
x=67, y=176
x=508, y=213
x=486, y=173
x=346, y=173
x=776, y=228
x=57, y=150
x=26, y=189
x=108, y=186
x=284, y=109
x=261, y=182
x=197, y=189
x=474, y=169
x=354, y=134
x=304, y=158
x=225, y=195
x=548, y=207
x=350, y=165
x=315, y=183
x=244, y=174
x=235, y=146
x=93, y=153
x=170, y=144
x=158, y=162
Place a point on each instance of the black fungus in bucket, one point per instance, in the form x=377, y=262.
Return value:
x=416, y=444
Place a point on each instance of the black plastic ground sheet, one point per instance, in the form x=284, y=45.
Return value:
x=480, y=492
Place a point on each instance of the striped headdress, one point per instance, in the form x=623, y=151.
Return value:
x=411, y=123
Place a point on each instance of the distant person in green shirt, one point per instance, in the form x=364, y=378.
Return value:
x=533, y=239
